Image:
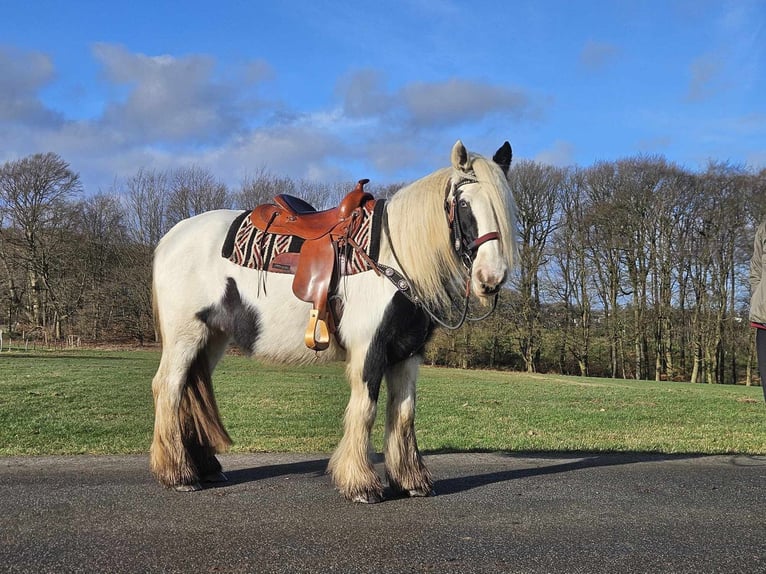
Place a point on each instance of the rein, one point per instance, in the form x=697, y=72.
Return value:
x=465, y=250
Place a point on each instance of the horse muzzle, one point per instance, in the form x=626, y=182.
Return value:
x=487, y=282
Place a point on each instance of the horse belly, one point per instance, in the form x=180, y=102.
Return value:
x=284, y=317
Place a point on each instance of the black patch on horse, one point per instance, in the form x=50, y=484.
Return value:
x=377, y=219
x=233, y=317
x=403, y=332
x=468, y=225
x=469, y=228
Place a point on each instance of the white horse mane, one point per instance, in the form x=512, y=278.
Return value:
x=420, y=233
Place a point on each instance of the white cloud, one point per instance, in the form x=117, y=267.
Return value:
x=295, y=151
x=22, y=76
x=394, y=154
x=704, y=74
x=167, y=111
x=560, y=154
x=596, y=56
x=458, y=101
x=170, y=99
x=432, y=104
x=364, y=94
x=258, y=71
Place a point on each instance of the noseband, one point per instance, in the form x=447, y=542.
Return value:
x=465, y=248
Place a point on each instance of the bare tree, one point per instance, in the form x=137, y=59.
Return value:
x=261, y=187
x=669, y=224
x=194, y=190
x=639, y=183
x=677, y=228
x=145, y=203
x=104, y=238
x=14, y=279
x=537, y=189
x=573, y=283
x=34, y=193
x=604, y=245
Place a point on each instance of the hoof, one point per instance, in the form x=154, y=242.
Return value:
x=215, y=477
x=418, y=493
x=188, y=487
x=425, y=489
x=367, y=498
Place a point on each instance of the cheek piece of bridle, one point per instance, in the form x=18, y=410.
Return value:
x=465, y=248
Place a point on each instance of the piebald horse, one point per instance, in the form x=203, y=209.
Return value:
x=448, y=236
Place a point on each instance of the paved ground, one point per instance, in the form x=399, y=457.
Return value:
x=492, y=513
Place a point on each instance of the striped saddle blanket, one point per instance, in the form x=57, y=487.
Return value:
x=248, y=246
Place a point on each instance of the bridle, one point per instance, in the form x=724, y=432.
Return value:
x=465, y=249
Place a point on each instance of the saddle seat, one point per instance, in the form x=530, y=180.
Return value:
x=290, y=215
x=294, y=204
x=317, y=268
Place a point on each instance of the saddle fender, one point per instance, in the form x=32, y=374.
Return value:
x=317, y=266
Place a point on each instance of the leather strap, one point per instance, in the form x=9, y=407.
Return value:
x=476, y=243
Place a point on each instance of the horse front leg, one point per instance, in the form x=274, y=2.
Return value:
x=405, y=469
x=350, y=464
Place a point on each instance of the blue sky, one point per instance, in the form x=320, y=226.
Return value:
x=337, y=91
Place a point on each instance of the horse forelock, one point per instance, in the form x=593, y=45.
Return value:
x=420, y=233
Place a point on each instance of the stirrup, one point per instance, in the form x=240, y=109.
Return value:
x=313, y=342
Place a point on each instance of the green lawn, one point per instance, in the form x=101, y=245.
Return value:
x=100, y=402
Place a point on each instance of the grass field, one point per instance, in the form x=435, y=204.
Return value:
x=100, y=402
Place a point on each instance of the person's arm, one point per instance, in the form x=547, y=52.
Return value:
x=756, y=262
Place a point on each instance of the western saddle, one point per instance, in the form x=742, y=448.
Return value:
x=325, y=234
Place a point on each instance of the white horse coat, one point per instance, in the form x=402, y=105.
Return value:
x=203, y=301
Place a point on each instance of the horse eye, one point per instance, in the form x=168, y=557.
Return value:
x=463, y=203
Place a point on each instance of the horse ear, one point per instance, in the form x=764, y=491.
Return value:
x=460, y=157
x=503, y=157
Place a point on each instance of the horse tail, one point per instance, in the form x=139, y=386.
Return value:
x=156, y=314
x=199, y=410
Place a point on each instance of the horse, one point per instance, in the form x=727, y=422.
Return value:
x=446, y=236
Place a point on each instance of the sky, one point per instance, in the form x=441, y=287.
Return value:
x=335, y=91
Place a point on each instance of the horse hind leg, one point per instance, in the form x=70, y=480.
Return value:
x=170, y=462
x=231, y=318
x=188, y=429
x=202, y=429
x=405, y=470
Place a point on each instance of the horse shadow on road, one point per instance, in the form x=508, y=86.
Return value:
x=547, y=464
x=542, y=464
x=316, y=467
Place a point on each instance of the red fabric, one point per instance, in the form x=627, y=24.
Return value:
x=758, y=325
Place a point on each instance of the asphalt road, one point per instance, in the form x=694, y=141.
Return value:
x=492, y=513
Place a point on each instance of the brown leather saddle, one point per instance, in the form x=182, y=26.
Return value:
x=316, y=267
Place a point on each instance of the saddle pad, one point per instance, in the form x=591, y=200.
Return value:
x=250, y=247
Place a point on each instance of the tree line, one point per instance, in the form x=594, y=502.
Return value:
x=634, y=268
